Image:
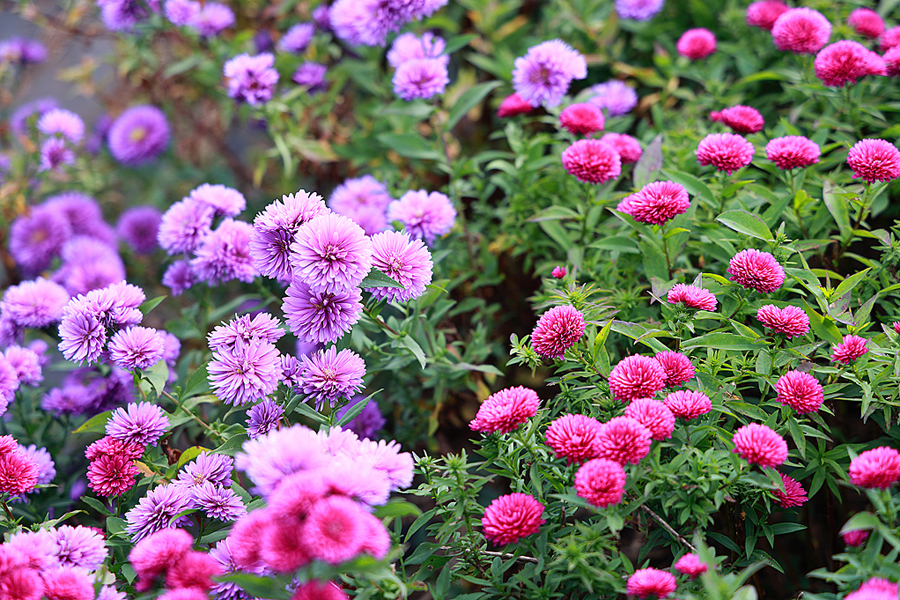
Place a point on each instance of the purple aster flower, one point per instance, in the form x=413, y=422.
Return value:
x=263, y=418
x=123, y=15
x=320, y=317
x=291, y=368
x=543, y=75
x=225, y=254
x=409, y=46
x=246, y=327
x=420, y=78
x=54, y=153
x=639, y=10
x=245, y=372
x=328, y=376
x=83, y=338
x=115, y=305
x=408, y=262
x=23, y=49
x=218, y=502
x=224, y=200
x=321, y=17
x=27, y=364
x=80, y=547
x=212, y=18
x=179, y=277
x=9, y=383
x=46, y=466
x=425, y=216
x=115, y=390
x=274, y=230
x=18, y=120
x=136, y=348
x=36, y=303
x=369, y=22
x=138, y=226
x=35, y=239
x=108, y=592
x=88, y=264
x=251, y=78
x=312, y=75
x=99, y=134
x=138, y=423
x=63, y=122
x=84, y=215
x=207, y=467
x=268, y=459
x=263, y=42
x=297, y=38
x=229, y=590
x=184, y=226
x=73, y=399
x=367, y=423
x=331, y=253
x=616, y=97
x=181, y=12
x=156, y=511
x=387, y=458
x=354, y=196
x=138, y=135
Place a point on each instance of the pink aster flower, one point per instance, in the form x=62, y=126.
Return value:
x=651, y=582
x=558, y=272
x=792, y=152
x=758, y=444
x=876, y=468
x=581, y=119
x=688, y=404
x=331, y=253
x=696, y=43
x=764, y=13
x=866, y=22
x=875, y=588
x=844, y=62
x=505, y=410
x=692, y=297
x=513, y=105
x=790, y=320
x=656, y=202
x=801, y=391
x=601, y=482
x=574, y=437
x=892, y=62
x=592, y=161
x=19, y=473
x=756, y=270
x=857, y=537
x=889, y=39
x=654, y=415
x=629, y=148
x=334, y=529
x=690, y=565
x=793, y=494
x=406, y=261
x=801, y=30
x=623, y=440
x=556, y=331
x=511, y=517
x=874, y=160
x=636, y=377
x=850, y=348
x=677, y=366
x=726, y=151
x=425, y=215
x=742, y=119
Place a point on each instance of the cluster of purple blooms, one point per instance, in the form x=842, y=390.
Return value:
x=639, y=10
x=22, y=50
x=206, y=18
x=368, y=22
x=251, y=79
x=421, y=66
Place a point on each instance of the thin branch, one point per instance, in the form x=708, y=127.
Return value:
x=667, y=527
x=528, y=559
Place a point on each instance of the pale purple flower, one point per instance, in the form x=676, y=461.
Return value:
x=270, y=458
x=99, y=133
x=83, y=338
x=27, y=364
x=363, y=199
x=35, y=239
x=312, y=75
x=139, y=423
x=23, y=49
x=157, y=510
x=369, y=22
x=224, y=200
x=543, y=75
x=329, y=375
x=73, y=399
x=179, y=277
x=263, y=418
x=184, y=226
x=368, y=422
x=212, y=18
x=207, y=468
x=331, y=254
x=420, y=78
x=83, y=214
x=387, y=458
x=63, y=122
x=35, y=303
x=297, y=38
x=320, y=317
x=88, y=264
x=409, y=46
x=218, y=502
x=245, y=372
x=54, y=153
x=408, y=262
x=246, y=327
x=136, y=348
x=424, y=215
x=274, y=230
x=46, y=466
x=139, y=226
x=251, y=79
x=108, y=592
x=181, y=12
x=122, y=15
x=80, y=547
x=225, y=254
x=639, y=10
x=18, y=120
x=139, y=135
x=9, y=383
x=614, y=96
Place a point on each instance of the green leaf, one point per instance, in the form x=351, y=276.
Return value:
x=410, y=145
x=554, y=213
x=837, y=206
x=190, y=454
x=849, y=283
x=149, y=305
x=413, y=346
x=860, y=521
x=96, y=424
x=722, y=341
x=398, y=508
x=96, y=505
x=198, y=382
x=263, y=587
x=458, y=42
x=649, y=163
x=310, y=413
x=158, y=376
x=353, y=412
x=746, y=223
x=376, y=278
x=469, y=100
x=115, y=525
x=784, y=528
x=823, y=327
x=232, y=444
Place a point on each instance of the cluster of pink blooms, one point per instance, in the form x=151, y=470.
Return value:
x=875, y=588
x=661, y=584
x=639, y=376
x=169, y=555
x=19, y=472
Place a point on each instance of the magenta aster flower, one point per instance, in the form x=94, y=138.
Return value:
x=184, y=226
x=690, y=565
x=758, y=444
x=801, y=391
x=505, y=410
x=513, y=105
x=424, y=215
x=874, y=160
x=581, y=119
x=866, y=22
x=136, y=348
x=764, y=13
x=408, y=262
x=251, y=79
x=320, y=317
x=846, y=61
x=889, y=39
x=792, y=152
x=756, y=270
x=138, y=423
x=573, y=436
x=420, y=78
x=636, y=377
x=875, y=588
x=876, y=468
x=623, y=440
x=790, y=320
x=850, y=348
x=615, y=96
x=223, y=199
x=692, y=297
x=62, y=122
x=139, y=135
x=856, y=537
x=678, y=367
x=801, y=30
x=601, y=482
x=726, y=151
x=656, y=202
x=742, y=119
x=592, y=161
x=696, y=43
x=512, y=517
x=651, y=582
x=331, y=254
x=247, y=372
x=654, y=415
x=329, y=375
x=688, y=404
x=558, y=272
x=543, y=75
x=793, y=494
x=556, y=331
x=629, y=148
x=892, y=62
x=274, y=230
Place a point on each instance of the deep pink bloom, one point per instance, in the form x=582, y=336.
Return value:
x=592, y=161
x=601, y=482
x=556, y=331
x=656, y=202
x=758, y=444
x=790, y=320
x=558, y=272
x=677, y=366
x=875, y=588
x=801, y=391
x=857, y=537
x=696, y=43
x=850, y=348
x=513, y=105
x=317, y=590
x=892, y=61
x=18, y=473
x=623, y=440
x=793, y=494
x=580, y=119
x=636, y=377
x=874, y=160
x=651, y=582
x=505, y=410
x=193, y=570
x=629, y=148
x=111, y=474
x=756, y=270
x=764, y=13
x=742, y=119
x=159, y=551
x=688, y=404
x=846, y=61
x=511, y=517
x=801, y=30
x=726, y=151
x=866, y=22
x=574, y=437
x=67, y=583
x=654, y=415
x=690, y=565
x=793, y=151
x=333, y=530
x=876, y=468
x=889, y=39
x=692, y=297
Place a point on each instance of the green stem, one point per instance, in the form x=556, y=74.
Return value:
x=377, y=320
x=198, y=420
